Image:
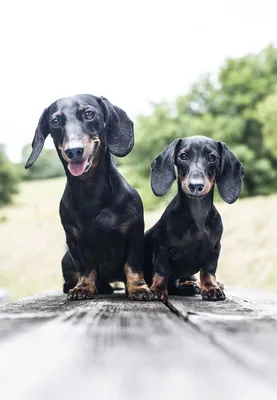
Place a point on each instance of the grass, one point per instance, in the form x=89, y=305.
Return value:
x=33, y=241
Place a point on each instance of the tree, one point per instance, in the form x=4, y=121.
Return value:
x=238, y=108
x=9, y=178
x=267, y=114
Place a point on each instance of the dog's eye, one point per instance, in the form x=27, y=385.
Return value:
x=55, y=122
x=183, y=156
x=211, y=157
x=89, y=114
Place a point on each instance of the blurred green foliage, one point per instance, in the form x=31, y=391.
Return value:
x=48, y=165
x=238, y=107
x=9, y=178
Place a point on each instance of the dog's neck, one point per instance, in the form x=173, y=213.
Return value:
x=96, y=185
x=199, y=209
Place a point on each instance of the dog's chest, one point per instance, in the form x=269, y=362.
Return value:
x=97, y=230
x=103, y=228
x=193, y=246
x=104, y=245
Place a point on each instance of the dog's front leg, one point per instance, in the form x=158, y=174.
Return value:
x=211, y=290
x=161, y=272
x=86, y=286
x=136, y=287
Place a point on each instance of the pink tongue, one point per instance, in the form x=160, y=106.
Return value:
x=76, y=169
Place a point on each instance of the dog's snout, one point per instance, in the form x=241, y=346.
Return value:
x=75, y=154
x=196, y=183
x=196, y=188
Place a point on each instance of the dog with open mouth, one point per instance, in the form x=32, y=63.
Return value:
x=102, y=215
x=187, y=237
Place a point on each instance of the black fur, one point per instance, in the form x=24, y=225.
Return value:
x=102, y=215
x=187, y=237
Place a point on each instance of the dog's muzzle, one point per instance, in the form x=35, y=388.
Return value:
x=195, y=184
x=81, y=159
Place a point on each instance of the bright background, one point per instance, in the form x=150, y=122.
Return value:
x=134, y=53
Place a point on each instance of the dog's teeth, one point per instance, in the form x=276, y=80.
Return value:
x=88, y=165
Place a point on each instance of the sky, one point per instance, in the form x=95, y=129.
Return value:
x=132, y=52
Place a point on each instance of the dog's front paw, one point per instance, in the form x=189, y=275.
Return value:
x=136, y=287
x=80, y=293
x=159, y=294
x=137, y=292
x=213, y=293
x=85, y=288
x=159, y=288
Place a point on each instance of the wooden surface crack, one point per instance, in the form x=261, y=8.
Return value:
x=112, y=345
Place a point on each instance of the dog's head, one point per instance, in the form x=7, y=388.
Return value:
x=80, y=126
x=200, y=163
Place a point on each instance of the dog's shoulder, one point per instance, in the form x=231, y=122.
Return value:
x=124, y=193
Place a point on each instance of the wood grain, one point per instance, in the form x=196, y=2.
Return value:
x=113, y=348
x=244, y=326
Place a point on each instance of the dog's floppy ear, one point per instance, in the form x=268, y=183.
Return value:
x=120, y=131
x=230, y=175
x=41, y=133
x=163, y=171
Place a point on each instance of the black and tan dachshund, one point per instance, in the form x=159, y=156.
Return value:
x=102, y=215
x=187, y=237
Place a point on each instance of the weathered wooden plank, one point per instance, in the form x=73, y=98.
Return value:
x=245, y=326
x=113, y=348
x=191, y=305
x=52, y=302
x=262, y=303
x=239, y=302
x=32, y=311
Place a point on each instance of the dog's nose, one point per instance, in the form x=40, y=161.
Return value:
x=74, y=154
x=196, y=188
